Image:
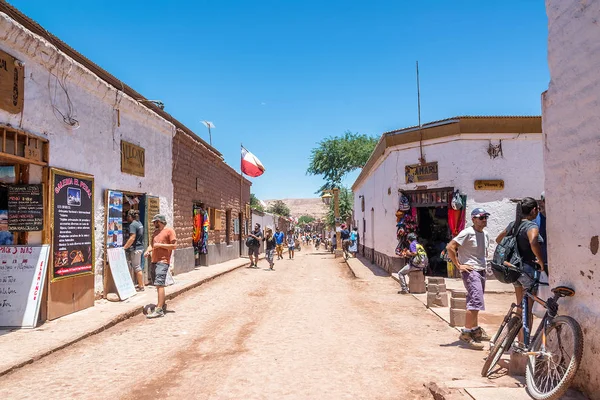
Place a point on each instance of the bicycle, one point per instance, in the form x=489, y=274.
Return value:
x=550, y=367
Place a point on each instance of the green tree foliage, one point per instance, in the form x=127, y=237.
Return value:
x=346, y=204
x=305, y=219
x=279, y=208
x=255, y=203
x=337, y=156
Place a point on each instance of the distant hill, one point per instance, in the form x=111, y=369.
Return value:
x=299, y=207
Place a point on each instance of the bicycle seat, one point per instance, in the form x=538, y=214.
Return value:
x=563, y=291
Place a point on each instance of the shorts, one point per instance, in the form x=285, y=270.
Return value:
x=525, y=281
x=135, y=260
x=253, y=251
x=279, y=248
x=291, y=248
x=475, y=284
x=160, y=273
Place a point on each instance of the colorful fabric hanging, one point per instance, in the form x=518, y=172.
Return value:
x=200, y=234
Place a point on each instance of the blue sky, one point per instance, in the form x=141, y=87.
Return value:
x=279, y=76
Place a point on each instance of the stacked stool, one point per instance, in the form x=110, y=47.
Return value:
x=458, y=307
x=436, y=292
x=416, y=281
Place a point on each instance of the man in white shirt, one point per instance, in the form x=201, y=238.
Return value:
x=468, y=251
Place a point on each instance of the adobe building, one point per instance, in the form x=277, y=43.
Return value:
x=480, y=157
x=571, y=117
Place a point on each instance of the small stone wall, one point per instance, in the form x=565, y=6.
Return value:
x=384, y=261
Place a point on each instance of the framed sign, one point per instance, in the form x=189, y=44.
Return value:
x=22, y=276
x=12, y=83
x=114, y=219
x=119, y=269
x=421, y=172
x=496, y=184
x=133, y=159
x=72, y=208
x=25, y=208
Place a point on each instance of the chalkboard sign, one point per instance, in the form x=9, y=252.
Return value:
x=22, y=275
x=73, y=219
x=120, y=272
x=25, y=208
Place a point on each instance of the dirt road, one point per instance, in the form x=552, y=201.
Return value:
x=307, y=330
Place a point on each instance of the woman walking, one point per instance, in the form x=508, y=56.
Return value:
x=271, y=244
x=291, y=241
x=353, y=248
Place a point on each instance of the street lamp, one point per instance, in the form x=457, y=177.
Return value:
x=209, y=125
x=336, y=208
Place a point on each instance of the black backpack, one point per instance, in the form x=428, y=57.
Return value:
x=507, y=250
x=251, y=242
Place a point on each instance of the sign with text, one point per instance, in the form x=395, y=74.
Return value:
x=496, y=184
x=22, y=276
x=12, y=83
x=132, y=158
x=152, y=208
x=119, y=269
x=421, y=172
x=73, y=224
x=25, y=208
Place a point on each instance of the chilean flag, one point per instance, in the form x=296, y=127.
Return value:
x=251, y=165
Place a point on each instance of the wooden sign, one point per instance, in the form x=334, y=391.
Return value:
x=119, y=269
x=25, y=208
x=132, y=159
x=497, y=184
x=22, y=275
x=12, y=83
x=421, y=172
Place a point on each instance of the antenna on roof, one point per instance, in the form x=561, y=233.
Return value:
x=422, y=159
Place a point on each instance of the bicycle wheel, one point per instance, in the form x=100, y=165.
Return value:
x=549, y=374
x=503, y=340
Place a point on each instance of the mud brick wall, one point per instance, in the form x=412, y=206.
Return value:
x=199, y=175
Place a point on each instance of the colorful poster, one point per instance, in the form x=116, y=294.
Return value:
x=114, y=229
x=73, y=223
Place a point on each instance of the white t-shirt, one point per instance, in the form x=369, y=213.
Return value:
x=473, y=248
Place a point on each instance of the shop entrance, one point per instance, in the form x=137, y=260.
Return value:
x=431, y=211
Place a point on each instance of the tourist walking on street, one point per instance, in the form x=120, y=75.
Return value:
x=161, y=247
x=270, y=245
x=353, y=248
x=529, y=245
x=345, y=236
x=468, y=252
x=254, y=247
x=134, y=247
x=279, y=237
x=417, y=261
x=291, y=242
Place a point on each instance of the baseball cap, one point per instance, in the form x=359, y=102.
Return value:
x=479, y=212
x=160, y=218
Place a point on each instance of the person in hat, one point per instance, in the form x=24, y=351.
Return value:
x=468, y=251
x=160, y=249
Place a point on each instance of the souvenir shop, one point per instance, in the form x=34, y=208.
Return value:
x=435, y=215
x=200, y=233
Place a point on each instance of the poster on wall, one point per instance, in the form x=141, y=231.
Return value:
x=25, y=208
x=22, y=276
x=114, y=217
x=73, y=224
x=152, y=208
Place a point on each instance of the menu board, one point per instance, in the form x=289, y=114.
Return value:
x=22, y=275
x=119, y=268
x=73, y=221
x=25, y=208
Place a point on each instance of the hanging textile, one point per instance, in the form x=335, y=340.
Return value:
x=200, y=234
x=457, y=218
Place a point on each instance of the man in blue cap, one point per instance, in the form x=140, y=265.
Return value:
x=468, y=251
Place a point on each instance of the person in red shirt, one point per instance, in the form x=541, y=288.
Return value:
x=161, y=247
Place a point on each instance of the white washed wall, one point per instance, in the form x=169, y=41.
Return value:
x=571, y=122
x=460, y=163
x=94, y=147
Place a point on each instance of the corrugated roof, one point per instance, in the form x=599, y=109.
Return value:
x=36, y=28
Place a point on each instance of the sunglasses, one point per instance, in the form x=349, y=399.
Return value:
x=483, y=217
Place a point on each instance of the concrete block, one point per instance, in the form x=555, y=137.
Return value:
x=435, y=288
x=435, y=280
x=416, y=282
x=437, y=299
x=458, y=294
x=457, y=317
x=458, y=303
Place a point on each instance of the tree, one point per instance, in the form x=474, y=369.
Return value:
x=279, y=208
x=346, y=203
x=337, y=156
x=255, y=203
x=305, y=219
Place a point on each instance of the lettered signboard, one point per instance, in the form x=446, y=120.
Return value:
x=22, y=276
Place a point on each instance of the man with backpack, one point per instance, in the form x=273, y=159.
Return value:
x=468, y=251
x=253, y=243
